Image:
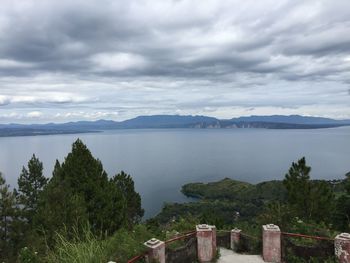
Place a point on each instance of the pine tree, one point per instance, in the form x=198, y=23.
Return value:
x=125, y=184
x=297, y=183
x=309, y=199
x=59, y=210
x=341, y=216
x=8, y=214
x=30, y=184
x=80, y=189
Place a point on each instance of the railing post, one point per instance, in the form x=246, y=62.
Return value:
x=206, y=238
x=342, y=247
x=271, y=243
x=235, y=237
x=156, y=250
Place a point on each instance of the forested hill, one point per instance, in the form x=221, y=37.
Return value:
x=229, y=189
x=173, y=121
x=235, y=190
x=219, y=200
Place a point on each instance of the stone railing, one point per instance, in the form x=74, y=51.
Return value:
x=201, y=245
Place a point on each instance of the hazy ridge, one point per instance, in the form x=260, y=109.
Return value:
x=173, y=121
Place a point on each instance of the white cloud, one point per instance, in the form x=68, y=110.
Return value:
x=3, y=100
x=34, y=114
x=118, y=61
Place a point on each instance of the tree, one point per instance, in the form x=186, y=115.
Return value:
x=8, y=214
x=347, y=182
x=341, y=217
x=309, y=199
x=297, y=183
x=31, y=182
x=276, y=213
x=125, y=185
x=59, y=210
x=80, y=190
x=322, y=201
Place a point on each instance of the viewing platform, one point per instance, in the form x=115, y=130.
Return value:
x=229, y=256
x=207, y=244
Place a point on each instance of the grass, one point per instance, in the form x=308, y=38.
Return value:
x=90, y=248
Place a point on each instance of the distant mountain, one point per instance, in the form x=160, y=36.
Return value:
x=166, y=121
x=292, y=119
x=173, y=121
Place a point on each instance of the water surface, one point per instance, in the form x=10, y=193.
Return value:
x=162, y=160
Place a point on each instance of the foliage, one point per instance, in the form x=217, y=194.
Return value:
x=91, y=248
x=224, y=189
x=217, y=212
x=26, y=255
x=30, y=184
x=297, y=183
x=347, y=182
x=125, y=185
x=307, y=199
x=46, y=215
x=341, y=217
x=83, y=176
x=80, y=191
x=8, y=219
x=295, y=259
x=228, y=189
x=59, y=209
x=275, y=213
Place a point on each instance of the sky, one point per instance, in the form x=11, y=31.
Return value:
x=75, y=60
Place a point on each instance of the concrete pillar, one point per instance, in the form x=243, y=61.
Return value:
x=235, y=237
x=205, y=243
x=342, y=247
x=156, y=250
x=271, y=243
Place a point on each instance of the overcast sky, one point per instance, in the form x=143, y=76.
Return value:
x=70, y=60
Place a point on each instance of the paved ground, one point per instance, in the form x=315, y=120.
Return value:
x=228, y=256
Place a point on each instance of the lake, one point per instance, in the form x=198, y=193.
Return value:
x=162, y=160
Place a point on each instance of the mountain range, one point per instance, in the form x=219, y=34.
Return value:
x=173, y=121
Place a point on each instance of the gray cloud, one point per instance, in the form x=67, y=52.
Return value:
x=117, y=59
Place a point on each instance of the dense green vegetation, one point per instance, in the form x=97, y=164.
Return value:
x=46, y=215
x=83, y=215
x=296, y=204
x=228, y=189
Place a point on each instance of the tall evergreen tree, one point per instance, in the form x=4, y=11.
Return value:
x=309, y=199
x=31, y=182
x=78, y=189
x=125, y=185
x=341, y=216
x=59, y=210
x=297, y=183
x=8, y=214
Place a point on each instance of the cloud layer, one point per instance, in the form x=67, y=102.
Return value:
x=88, y=59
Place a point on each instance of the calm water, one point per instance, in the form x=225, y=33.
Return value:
x=160, y=161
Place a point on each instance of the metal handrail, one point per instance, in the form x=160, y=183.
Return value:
x=136, y=258
x=188, y=234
